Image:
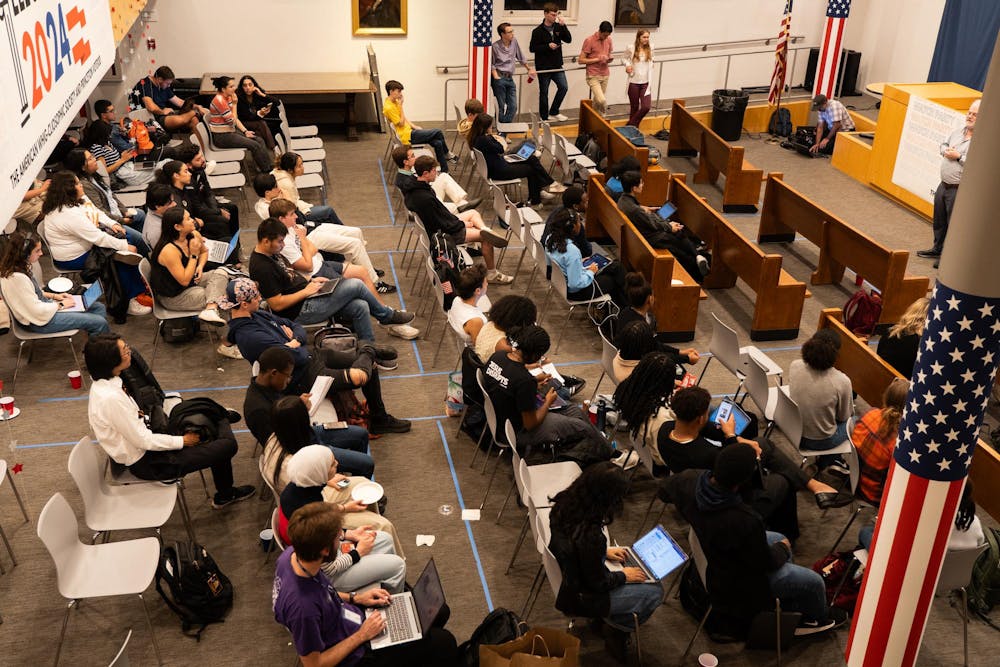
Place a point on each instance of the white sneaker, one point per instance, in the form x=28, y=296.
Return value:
x=230, y=351
x=627, y=460
x=211, y=315
x=547, y=196
x=560, y=117
x=497, y=278
x=210, y=167
x=136, y=308
x=556, y=187
x=404, y=331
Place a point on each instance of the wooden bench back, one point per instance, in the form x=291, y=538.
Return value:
x=614, y=145
x=685, y=130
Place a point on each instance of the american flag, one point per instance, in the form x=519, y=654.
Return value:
x=780, y=57
x=480, y=43
x=829, y=51
x=950, y=388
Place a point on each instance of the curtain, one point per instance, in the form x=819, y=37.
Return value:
x=965, y=42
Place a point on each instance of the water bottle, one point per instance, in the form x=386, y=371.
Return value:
x=602, y=414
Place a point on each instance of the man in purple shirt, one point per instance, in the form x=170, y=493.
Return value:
x=329, y=627
x=596, y=54
x=506, y=53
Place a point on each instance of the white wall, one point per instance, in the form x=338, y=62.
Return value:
x=246, y=36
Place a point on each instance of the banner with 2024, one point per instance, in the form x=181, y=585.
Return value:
x=52, y=56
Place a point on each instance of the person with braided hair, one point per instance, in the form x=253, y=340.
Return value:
x=643, y=400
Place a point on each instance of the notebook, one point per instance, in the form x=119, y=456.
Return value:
x=317, y=394
x=219, y=251
x=84, y=301
x=410, y=614
x=655, y=553
x=526, y=150
x=722, y=411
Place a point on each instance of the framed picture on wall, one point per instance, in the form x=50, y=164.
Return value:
x=638, y=13
x=378, y=17
x=529, y=12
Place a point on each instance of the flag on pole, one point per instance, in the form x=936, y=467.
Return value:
x=829, y=51
x=780, y=57
x=949, y=391
x=480, y=45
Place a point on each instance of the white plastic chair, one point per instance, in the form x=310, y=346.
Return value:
x=788, y=419
x=203, y=139
x=513, y=127
x=230, y=182
x=761, y=391
x=560, y=286
x=295, y=131
x=108, y=508
x=956, y=574
x=86, y=571
x=307, y=181
x=479, y=164
x=568, y=162
x=725, y=346
x=608, y=354
x=121, y=658
x=162, y=313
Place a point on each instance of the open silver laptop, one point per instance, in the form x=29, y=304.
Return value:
x=655, y=553
x=526, y=150
x=410, y=614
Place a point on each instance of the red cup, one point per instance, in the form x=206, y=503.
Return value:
x=7, y=404
x=75, y=380
x=592, y=414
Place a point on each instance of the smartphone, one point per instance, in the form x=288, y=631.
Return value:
x=343, y=484
x=335, y=426
x=725, y=409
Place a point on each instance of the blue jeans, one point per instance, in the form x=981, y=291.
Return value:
x=799, y=588
x=352, y=298
x=93, y=321
x=348, y=460
x=829, y=442
x=129, y=276
x=436, y=139
x=505, y=92
x=642, y=599
x=138, y=220
x=866, y=535
x=134, y=237
x=559, y=78
x=323, y=214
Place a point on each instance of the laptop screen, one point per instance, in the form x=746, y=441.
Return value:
x=659, y=552
x=667, y=210
x=428, y=595
x=527, y=150
x=92, y=294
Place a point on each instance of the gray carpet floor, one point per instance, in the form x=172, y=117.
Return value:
x=426, y=472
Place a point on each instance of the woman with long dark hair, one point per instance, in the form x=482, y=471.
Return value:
x=258, y=111
x=83, y=163
x=583, y=282
x=482, y=137
x=589, y=588
x=227, y=129
x=34, y=308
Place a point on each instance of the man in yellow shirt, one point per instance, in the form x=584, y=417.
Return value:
x=409, y=133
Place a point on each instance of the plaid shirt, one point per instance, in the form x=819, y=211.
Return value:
x=874, y=454
x=835, y=111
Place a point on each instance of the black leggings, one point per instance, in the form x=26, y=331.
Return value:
x=530, y=169
x=610, y=281
x=337, y=365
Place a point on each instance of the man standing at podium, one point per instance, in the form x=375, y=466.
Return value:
x=953, y=151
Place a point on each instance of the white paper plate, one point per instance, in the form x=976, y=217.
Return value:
x=16, y=412
x=369, y=493
x=60, y=284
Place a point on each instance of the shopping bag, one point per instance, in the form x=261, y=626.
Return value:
x=538, y=647
x=454, y=402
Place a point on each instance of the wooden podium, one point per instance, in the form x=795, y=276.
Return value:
x=873, y=164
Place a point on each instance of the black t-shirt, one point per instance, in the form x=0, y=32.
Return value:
x=274, y=275
x=512, y=389
x=698, y=454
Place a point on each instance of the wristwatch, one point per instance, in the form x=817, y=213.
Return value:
x=351, y=598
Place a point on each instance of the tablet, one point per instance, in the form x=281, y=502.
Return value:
x=722, y=411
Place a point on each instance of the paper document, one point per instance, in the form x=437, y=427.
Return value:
x=318, y=392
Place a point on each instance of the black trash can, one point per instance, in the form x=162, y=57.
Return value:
x=728, y=108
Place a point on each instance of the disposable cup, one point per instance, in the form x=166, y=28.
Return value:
x=708, y=660
x=75, y=380
x=266, y=539
x=7, y=404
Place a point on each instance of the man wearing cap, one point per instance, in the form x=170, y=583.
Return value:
x=748, y=566
x=833, y=118
x=596, y=54
x=254, y=332
x=953, y=151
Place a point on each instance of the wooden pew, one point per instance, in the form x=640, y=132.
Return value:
x=778, y=306
x=676, y=307
x=688, y=137
x=787, y=211
x=614, y=145
x=870, y=375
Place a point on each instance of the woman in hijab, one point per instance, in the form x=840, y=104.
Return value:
x=371, y=557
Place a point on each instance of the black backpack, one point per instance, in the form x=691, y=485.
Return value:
x=196, y=589
x=180, y=329
x=448, y=263
x=500, y=626
x=781, y=123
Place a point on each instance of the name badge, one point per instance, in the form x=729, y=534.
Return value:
x=352, y=616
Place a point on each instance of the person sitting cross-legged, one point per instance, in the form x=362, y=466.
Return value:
x=254, y=332
x=329, y=627
x=482, y=136
x=122, y=432
x=421, y=200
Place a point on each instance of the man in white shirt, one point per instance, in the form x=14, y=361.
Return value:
x=121, y=429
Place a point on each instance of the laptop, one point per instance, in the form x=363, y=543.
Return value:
x=526, y=150
x=84, y=301
x=600, y=260
x=655, y=553
x=148, y=161
x=722, y=411
x=666, y=211
x=219, y=251
x=410, y=614
x=328, y=286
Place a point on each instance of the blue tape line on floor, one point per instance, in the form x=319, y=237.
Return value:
x=468, y=524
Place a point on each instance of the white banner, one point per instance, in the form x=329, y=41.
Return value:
x=918, y=160
x=53, y=56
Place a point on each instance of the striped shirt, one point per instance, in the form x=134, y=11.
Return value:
x=105, y=152
x=220, y=116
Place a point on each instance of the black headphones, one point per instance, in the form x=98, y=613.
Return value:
x=29, y=244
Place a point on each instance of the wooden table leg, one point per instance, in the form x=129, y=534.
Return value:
x=352, y=129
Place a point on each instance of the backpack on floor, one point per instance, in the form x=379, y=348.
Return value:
x=842, y=576
x=180, y=330
x=191, y=583
x=499, y=627
x=337, y=338
x=984, y=589
x=780, y=124
x=861, y=312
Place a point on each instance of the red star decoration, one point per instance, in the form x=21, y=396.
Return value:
x=17, y=468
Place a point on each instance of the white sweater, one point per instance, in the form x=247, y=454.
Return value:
x=19, y=293
x=72, y=231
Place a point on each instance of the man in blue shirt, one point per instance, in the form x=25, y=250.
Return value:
x=156, y=95
x=506, y=54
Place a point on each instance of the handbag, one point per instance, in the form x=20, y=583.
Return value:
x=542, y=647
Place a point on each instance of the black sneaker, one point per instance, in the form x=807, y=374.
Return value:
x=836, y=617
x=386, y=364
x=470, y=204
x=383, y=287
x=379, y=272
x=236, y=494
x=930, y=253
x=399, y=317
x=574, y=384
x=389, y=424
